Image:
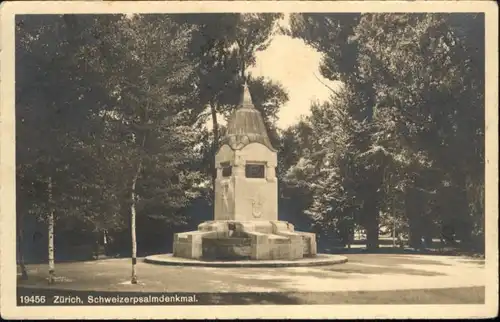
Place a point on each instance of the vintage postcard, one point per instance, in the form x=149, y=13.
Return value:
x=249, y=159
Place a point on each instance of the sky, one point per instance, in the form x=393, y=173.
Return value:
x=294, y=64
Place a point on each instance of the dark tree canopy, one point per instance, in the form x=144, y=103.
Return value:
x=114, y=106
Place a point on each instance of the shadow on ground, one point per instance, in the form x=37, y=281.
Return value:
x=409, y=251
x=383, y=271
x=112, y=276
x=394, y=259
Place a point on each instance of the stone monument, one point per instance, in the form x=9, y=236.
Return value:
x=246, y=224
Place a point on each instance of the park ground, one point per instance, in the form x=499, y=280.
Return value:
x=364, y=279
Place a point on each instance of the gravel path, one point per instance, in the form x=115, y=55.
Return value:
x=363, y=272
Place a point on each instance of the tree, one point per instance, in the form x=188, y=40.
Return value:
x=144, y=59
x=333, y=35
x=410, y=81
x=329, y=175
x=428, y=78
x=53, y=108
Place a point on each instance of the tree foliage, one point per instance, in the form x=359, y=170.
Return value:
x=406, y=129
x=109, y=105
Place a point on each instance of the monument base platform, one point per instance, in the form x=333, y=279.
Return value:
x=318, y=260
x=240, y=240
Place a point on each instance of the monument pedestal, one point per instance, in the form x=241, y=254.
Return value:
x=237, y=240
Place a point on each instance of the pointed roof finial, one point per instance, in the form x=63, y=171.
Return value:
x=246, y=125
x=246, y=98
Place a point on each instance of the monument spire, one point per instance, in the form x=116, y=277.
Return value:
x=246, y=125
x=246, y=98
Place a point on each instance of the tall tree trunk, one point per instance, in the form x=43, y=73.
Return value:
x=215, y=144
x=20, y=245
x=413, y=209
x=349, y=237
x=51, y=234
x=371, y=226
x=96, y=245
x=371, y=213
x=393, y=234
x=428, y=229
x=132, y=228
x=464, y=223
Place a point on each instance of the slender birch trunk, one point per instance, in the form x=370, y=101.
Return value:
x=133, y=217
x=51, y=234
x=132, y=228
x=393, y=235
x=349, y=237
x=133, y=214
x=393, y=223
x=105, y=242
x=20, y=248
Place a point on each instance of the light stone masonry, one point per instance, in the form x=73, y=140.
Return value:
x=246, y=222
